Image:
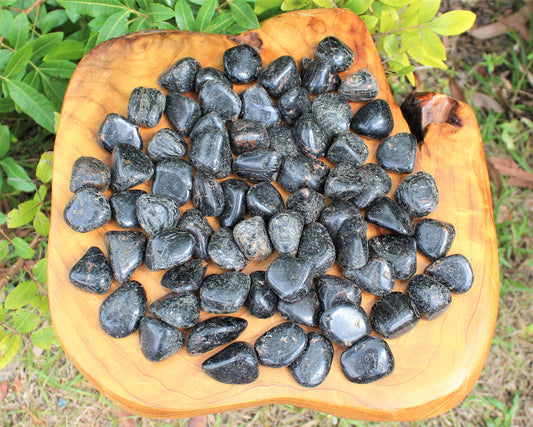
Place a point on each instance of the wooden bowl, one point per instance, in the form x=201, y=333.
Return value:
x=437, y=363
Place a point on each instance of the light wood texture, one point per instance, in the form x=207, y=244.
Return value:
x=437, y=363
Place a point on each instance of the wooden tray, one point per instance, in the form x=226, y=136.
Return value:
x=437, y=363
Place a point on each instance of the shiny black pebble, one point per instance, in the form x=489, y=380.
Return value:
x=300, y=171
x=336, y=290
x=207, y=194
x=168, y=248
x=312, y=366
x=373, y=120
x=196, y=224
x=211, y=122
x=235, y=364
x=290, y=278
x=92, y=273
x=264, y=199
x=453, y=271
x=123, y=205
x=173, y=178
x=333, y=113
x=393, y=315
x=434, y=238
x=180, y=311
x=368, y=360
x=351, y=245
x=146, y=106
x=282, y=141
x=165, y=144
x=344, y=324
x=130, y=167
x=376, y=183
x=397, y=153
x=180, y=76
x=281, y=345
x=211, y=154
x=285, y=229
x=390, y=216
x=220, y=98
x=257, y=165
x=308, y=202
x=348, y=147
x=252, y=238
x=293, y=103
x=247, y=135
x=89, y=172
x=304, y=312
x=335, y=214
x=336, y=52
x=224, y=293
x=115, y=130
x=257, y=105
x=242, y=63
x=310, y=137
x=280, y=76
x=343, y=182
x=316, y=247
x=261, y=302
x=157, y=213
x=224, y=252
x=210, y=74
x=376, y=277
x=431, y=297
x=214, y=332
x=234, y=191
x=361, y=86
x=158, y=340
x=398, y=250
x=185, y=278
x=418, y=194
x=87, y=210
x=126, y=252
x=182, y=112
x=319, y=76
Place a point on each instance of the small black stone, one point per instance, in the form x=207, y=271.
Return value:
x=351, y=245
x=336, y=52
x=368, y=360
x=126, y=252
x=333, y=113
x=87, y=210
x=242, y=63
x=293, y=103
x=173, y=178
x=180, y=311
x=281, y=345
x=431, y=297
x=335, y=290
x=344, y=182
x=235, y=364
x=158, y=340
x=252, y=238
x=224, y=252
x=211, y=154
x=220, y=98
x=319, y=76
x=247, y=135
x=122, y=310
x=373, y=120
x=168, y=248
x=123, y=205
x=300, y=171
x=361, y=86
x=261, y=302
x=257, y=105
x=290, y=278
x=311, y=368
x=182, y=112
x=389, y=215
x=117, y=130
x=157, y=213
x=310, y=137
x=434, y=238
x=214, y=75
x=257, y=165
x=335, y=214
x=418, y=194
x=376, y=183
x=394, y=315
x=224, y=293
x=398, y=250
x=453, y=271
x=344, y=324
x=376, y=277
x=214, y=332
x=234, y=191
x=308, y=202
x=165, y=144
x=304, y=312
x=207, y=194
x=130, y=167
x=92, y=273
x=285, y=229
x=282, y=140
x=193, y=222
x=264, y=199
x=180, y=77
x=348, y=147
x=397, y=153
x=89, y=172
x=280, y=76
x=317, y=248
x=146, y=106
x=211, y=122
x=185, y=278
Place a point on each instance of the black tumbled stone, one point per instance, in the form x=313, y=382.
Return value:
x=361, y=86
x=344, y=324
x=211, y=154
x=158, y=340
x=264, y=199
x=390, y=216
x=319, y=76
x=185, y=278
x=398, y=250
x=224, y=293
x=87, y=210
x=310, y=137
x=335, y=214
x=242, y=63
x=285, y=229
x=394, y=315
x=210, y=74
x=376, y=183
x=290, y=278
x=418, y=194
x=214, y=332
x=280, y=76
x=235, y=364
x=220, y=98
x=335, y=290
x=257, y=165
x=234, y=191
x=123, y=205
x=453, y=271
x=351, y=245
x=196, y=224
x=165, y=144
x=333, y=113
x=348, y=147
x=168, y=248
x=336, y=52
x=211, y=122
x=89, y=172
x=156, y=213
x=343, y=182
x=173, y=178
x=182, y=112
x=376, y=277
x=92, y=273
x=180, y=311
x=116, y=130
x=308, y=202
x=261, y=302
x=373, y=120
x=293, y=103
x=316, y=247
x=146, y=106
x=300, y=171
x=247, y=135
x=126, y=252
x=281, y=345
x=180, y=76
x=257, y=105
x=304, y=312
x=224, y=252
x=368, y=360
x=207, y=194
x=252, y=238
x=282, y=140
x=431, y=297
x=311, y=368
x=397, y=153
x=434, y=238
x=130, y=167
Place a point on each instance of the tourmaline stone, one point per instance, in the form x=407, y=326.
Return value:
x=213, y=332
x=290, y=278
x=431, y=297
x=89, y=172
x=376, y=277
x=453, y=271
x=310, y=137
x=146, y=106
x=168, y=248
x=281, y=345
x=344, y=324
x=368, y=360
x=333, y=113
x=387, y=214
x=211, y=154
x=121, y=312
x=335, y=214
x=418, y=194
x=180, y=311
x=165, y=144
x=117, y=130
x=195, y=223
x=304, y=312
x=92, y=273
x=247, y=135
x=285, y=229
x=182, y=112
x=126, y=252
x=373, y=120
x=257, y=165
x=235, y=364
x=300, y=171
x=252, y=238
x=207, y=194
x=242, y=63
x=261, y=302
x=319, y=76
x=173, y=178
x=123, y=205
x=257, y=105
x=293, y=103
x=280, y=76
x=434, y=238
x=394, y=315
x=158, y=340
x=211, y=122
x=311, y=368
x=214, y=75
x=336, y=52
x=361, y=86
x=376, y=183
x=185, y=278
x=343, y=182
x=87, y=210
x=130, y=167
x=308, y=202
x=351, y=245
x=335, y=290
x=348, y=147
x=224, y=252
x=220, y=98
x=264, y=199
x=224, y=293
x=397, y=153
x=398, y=250
x=234, y=191
x=180, y=76
x=157, y=213
x=282, y=141
x=316, y=247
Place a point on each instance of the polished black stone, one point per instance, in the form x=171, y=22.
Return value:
x=123, y=205
x=121, y=311
x=282, y=140
x=319, y=76
x=89, y=172
x=280, y=76
x=264, y=199
x=214, y=332
x=146, y=106
x=182, y=112
x=343, y=182
x=252, y=238
x=224, y=293
x=308, y=202
x=376, y=277
x=351, y=245
x=173, y=178
x=116, y=130
x=130, y=167
x=397, y=153
x=393, y=315
x=92, y=273
x=207, y=194
x=211, y=154
x=434, y=238
x=247, y=135
x=257, y=165
x=234, y=191
x=344, y=324
x=235, y=364
x=290, y=278
x=335, y=214
x=210, y=74
x=126, y=252
x=361, y=86
x=293, y=103
x=390, y=216
x=185, y=278
x=453, y=271
x=224, y=252
x=180, y=311
x=87, y=210
x=336, y=52
x=195, y=223
x=333, y=113
x=368, y=360
x=257, y=105
x=300, y=171
x=165, y=144
x=211, y=122
x=376, y=183
x=398, y=250
x=220, y=98
x=168, y=248
x=285, y=229
x=336, y=290
x=348, y=147
x=431, y=297
x=304, y=63
x=156, y=213
x=316, y=247
x=261, y=302
x=280, y=346
x=304, y=312
x=242, y=63
x=158, y=340
x=180, y=76
x=418, y=194
x=310, y=137
x=373, y=120
x=312, y=366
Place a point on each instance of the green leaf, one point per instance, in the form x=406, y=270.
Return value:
x=22, y=248
x=428, y=10
x=9, y=346
x=33, y=79
x=396, y=3
x=19, y=61
x=432, y=44
x=23, y=214
x=41, y=223
x=114, y=26
x=40, y=194
x=5, y=140
x=45, y=44
x=25, y=320
x=164, y=25
x=54, y=91
x=370, y=21
x=139, y=24
x=358, y=6
x=67, y=49
x=184, y=16
x=6, y=105
x=158, y=12
x=143, y=4
x=391, y=45
x=33, y=103
x=327, y=4
x=262, y=6
x=21, y=295
x=6, y=19
x=295, y=4
x=52, y=19
x=4, y=245
x=44, y=338
x=243, y=14
x=40, y=270
x=205, y=14
x=19, y=32
x=5, y=57
x=58, y=68
x=93, y=7
x=17, y=176
x=386, y=21
x=220, y=23
x=453, y=22
x=44, y=167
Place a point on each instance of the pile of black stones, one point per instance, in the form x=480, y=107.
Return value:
x=273, y=131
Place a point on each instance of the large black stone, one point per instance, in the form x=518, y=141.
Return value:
x=242, y=63
x=368, y=360
x=308, y=202
x=304, y=312
x=213, y=332
x=333, y=113
x=235, y=364
x=335, y=214
x=207, y=194
x=344, y=324
x=168, y=248
x=180, y=311
x=434, y=238
x=316, y=247
x=210, y=74
x=285, y=229
x=198, y=227
x=158, y=340
x=281, y=345
x=257, y=165
x=87, y=210
x=126, y=252
x=282, y=140
x=280, y=76
x=398, y=250
x=89, y=172
x=180, y=76
x=293, y=103
x=336, y=52
x=185, y=278
x=418, y=194
x=310, y=137
x=361, y=86
x=92, y=273
x=300, y=171
x=252, y=238
x=165, y=144
x=211, y=122
x=117, y=130
x=211, y=154
x=373, y=120
x=173, y=178
x=224, y=252
x=220, y=98
x=387, y=214
x=247, y=135
x=349, y=148
x=224, y=293
x=234, y=191
x=312, y=366
x=343, y=182
x=351, y=245
x=394, y=315
x=182, y=112
x=335, y=290
x=431, y=297
x=257, y=105
x=376, y=181
x=156, y=213
x=264, y=199
x=453, y=271
x=397, y=153
x=261, y=302
x=123, y=204
x=319, y=76
x=376, y=277
x=146, y=106
x=290, y=278
x=130, y=167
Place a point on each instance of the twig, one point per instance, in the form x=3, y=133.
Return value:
x=35, y=4
x=15, y=268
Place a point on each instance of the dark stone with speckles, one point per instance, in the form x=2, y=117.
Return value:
x=390, y=216
x=376, y=183
x=257, y=105
x=210, y=74
x=316, y=247
x=257, y=165
x=300, y=171
x=207, y=194
x=261, y=302
x=431, y=297
x=165, y=144
x=398, y=250
x=180, y=311
x=282, y=141
x=344, y=324
x=234, y=191
x=418, y=194
x=335, y=214
x=351, y=245
x=92, y=273
x=280, y=76
x=173, y=178
x=121, y=312
x=214, y=332
x=293, y=103
x=281, y=345
x=117, y=130
x=158, y=340
x=180, y=77
x=211, y=154
x=130, y=167
x=193, y=222
x=87, y=210
x=361, y=86
x=285, y=229
x=252, y=238
x=335, y=290
x=264, y=199
x=168, y=248
x=224, y=293
x=434, y=238
x=126, y=252
x=242, y=63
x=224, y=252
x=311, y=368
x=368, y=360
x=336, y=52
x=220, y=98
x=343, y=182
x=453, y=271
x=348, y=147
x=157, y=213
x=333, y=113
x=247, y=135
x=146, y=106
x=319, y=76
x=235, y=364
x=211, y=122
x=373, y=120
x=290, y=278
x=393, y=315
x=308, y=202
x=310, y=137
x=185, y=278
x=89, y=172
x=182, y=112
x=304, y=312
x=397, y=153
x=376, y=277
x=123, y=205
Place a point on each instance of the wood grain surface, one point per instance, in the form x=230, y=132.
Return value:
x=437, y=363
